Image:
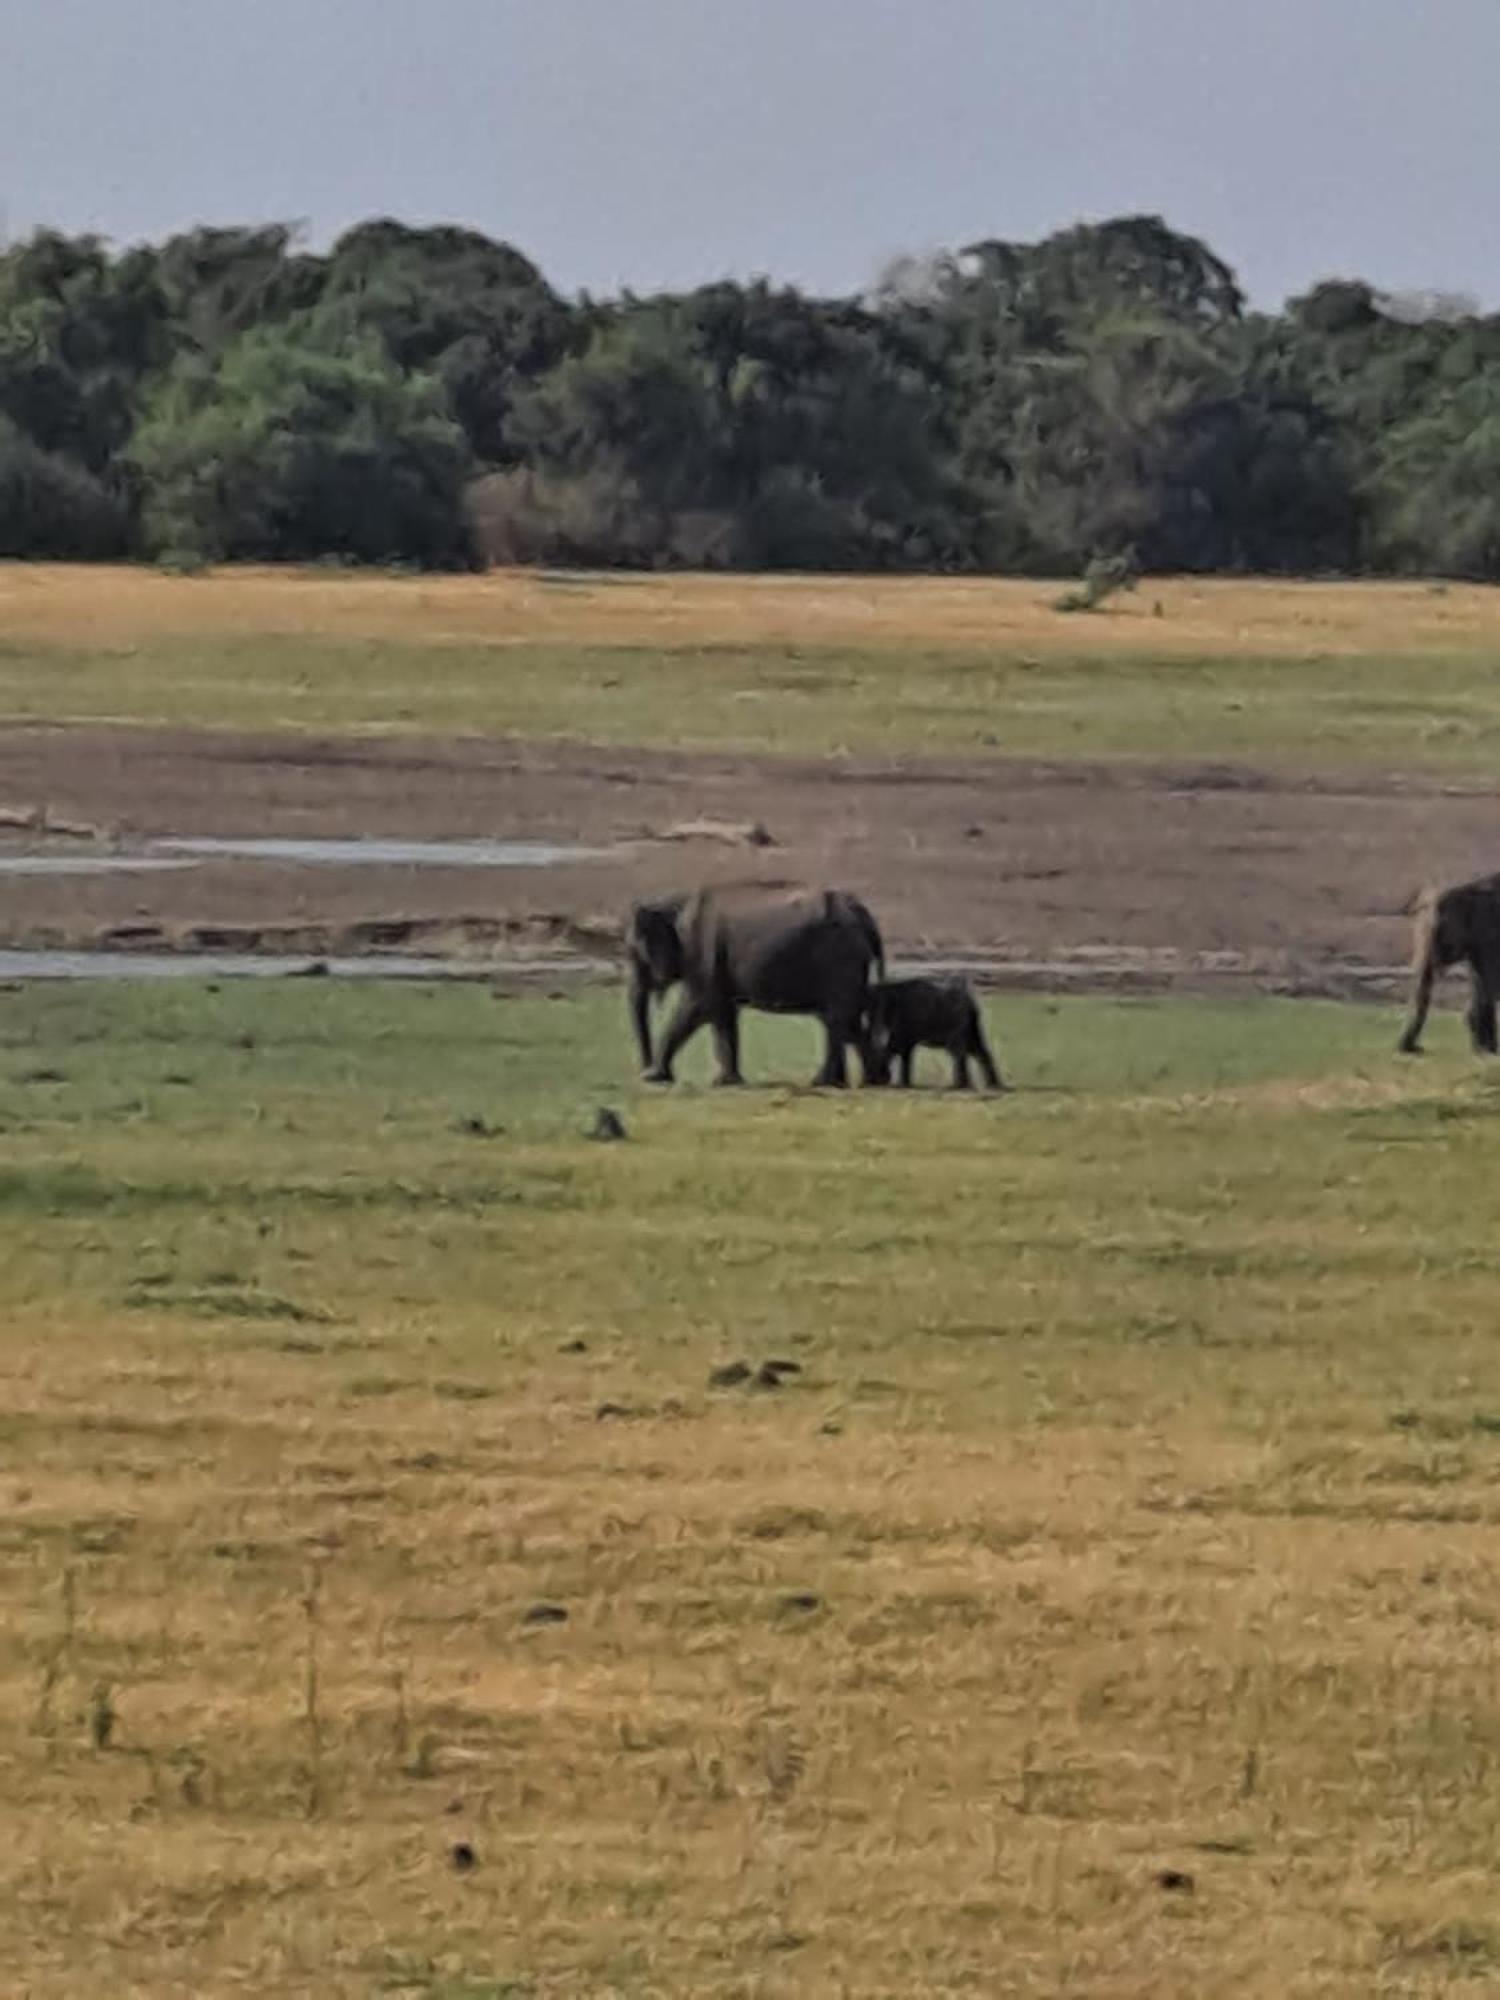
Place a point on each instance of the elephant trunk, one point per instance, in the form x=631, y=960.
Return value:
x=640, y=1012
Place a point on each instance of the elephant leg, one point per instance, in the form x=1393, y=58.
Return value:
x=960, y=1054
x=904, y=1063
x=834, y=1074
x=979, y=1049
x=871, y=1068
x=726, y=1026
x=1481, y=1015
x=1410, y=1043
x=685, y=1023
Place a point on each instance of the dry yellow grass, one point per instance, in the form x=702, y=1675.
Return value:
x=60, y=605
x=1397, y=675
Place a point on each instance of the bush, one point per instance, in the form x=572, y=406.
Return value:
x=1104, y=578
x=591, y=520
x=284, y=451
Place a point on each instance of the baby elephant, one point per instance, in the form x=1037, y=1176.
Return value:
x=908, y=1014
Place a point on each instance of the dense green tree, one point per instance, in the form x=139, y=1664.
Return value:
x=284, y=449
x=1438, y=484
x=79, y=334
x=768, y=429
x=53, y=506
x=1101, y=396
x=450, y=303
x=221, y=283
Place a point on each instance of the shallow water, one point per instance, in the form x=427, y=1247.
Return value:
x=27, y=965
x=159, y=856
x=375, y=853
x=90, y=864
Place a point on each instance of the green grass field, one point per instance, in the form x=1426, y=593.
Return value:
x=1133, y=1508
x=1432, y=711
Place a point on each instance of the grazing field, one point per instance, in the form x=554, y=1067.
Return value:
x=391, y=1604
x=1400, y=675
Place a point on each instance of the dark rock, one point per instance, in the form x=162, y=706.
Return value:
x=771, y=1374
x=546, y=1614
x=1175, y=1881
x=607, y=1411
x=802, y=1600
x=463, y=1857
x=607, y=1125
x=574, y=1347
x=729, y=1375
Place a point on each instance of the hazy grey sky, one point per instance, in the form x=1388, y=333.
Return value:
x=666, y=142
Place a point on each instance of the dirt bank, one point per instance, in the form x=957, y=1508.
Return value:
x=1064, y=873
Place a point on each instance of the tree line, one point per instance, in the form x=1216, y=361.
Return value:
x=424, y=396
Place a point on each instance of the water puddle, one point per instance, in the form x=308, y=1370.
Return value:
x=90, y=864
x=1015, y=975
x=148, y=965
x=375, y=853
x=158, y=856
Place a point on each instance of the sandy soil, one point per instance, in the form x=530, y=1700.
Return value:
x=1054, y=874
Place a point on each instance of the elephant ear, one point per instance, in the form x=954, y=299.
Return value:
x=656, y=941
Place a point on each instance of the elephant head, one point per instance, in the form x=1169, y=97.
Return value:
x=653, y=944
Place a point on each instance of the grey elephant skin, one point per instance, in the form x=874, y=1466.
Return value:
x=1457, y=926
x=781, y=950
x=908, y=1014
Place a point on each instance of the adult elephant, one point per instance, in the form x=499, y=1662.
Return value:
x=781, y=950
x=1458, y=926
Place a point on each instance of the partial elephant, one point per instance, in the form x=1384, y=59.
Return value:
x=781, y=950
x=1458, y=926
x=908, y=1014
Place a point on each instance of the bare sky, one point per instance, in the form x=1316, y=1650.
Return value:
x=666, y=142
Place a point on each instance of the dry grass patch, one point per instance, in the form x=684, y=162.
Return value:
x=77, y=605
x=1395, y=674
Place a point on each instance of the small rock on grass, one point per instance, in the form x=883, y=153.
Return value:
x=771, y=1374
x=479, y=1128
x=608, y=1125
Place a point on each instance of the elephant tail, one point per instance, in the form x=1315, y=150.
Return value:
x=1424, y=968
x=1421, y=907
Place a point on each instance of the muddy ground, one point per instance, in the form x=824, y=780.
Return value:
x=1044, y=874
